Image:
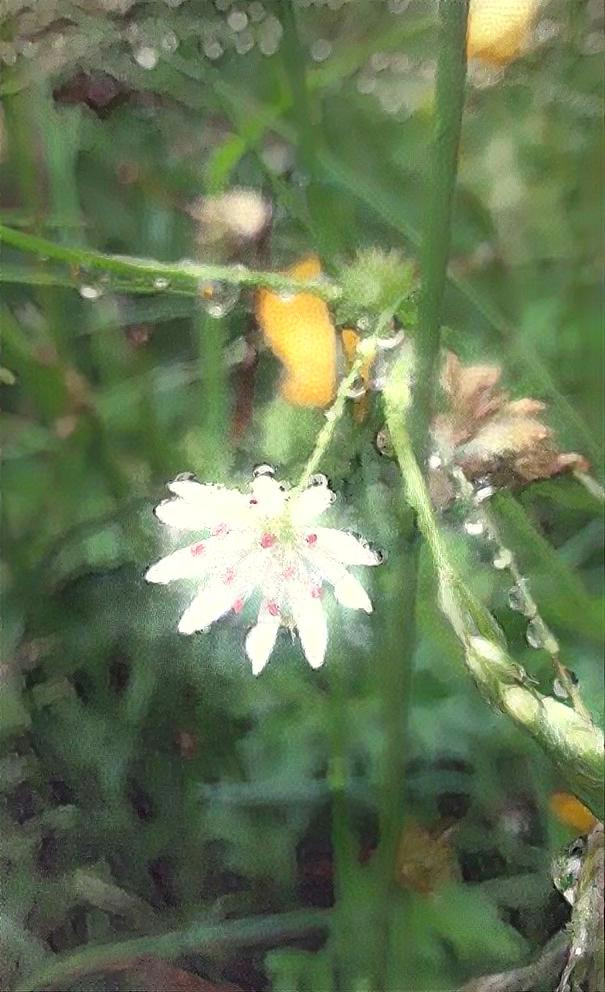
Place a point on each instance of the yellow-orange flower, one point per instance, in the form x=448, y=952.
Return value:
x=572, y=812
x=300, y=332
x=498, y=30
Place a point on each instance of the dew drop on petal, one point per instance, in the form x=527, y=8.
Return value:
x=503, y=559
x=161, y=283
x=262, y=469
x=435, y=461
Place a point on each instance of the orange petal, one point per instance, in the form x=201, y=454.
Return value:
x=572, y=812
x=498, y=30
x=300, y=332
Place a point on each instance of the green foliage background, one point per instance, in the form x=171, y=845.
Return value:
x=148, y=781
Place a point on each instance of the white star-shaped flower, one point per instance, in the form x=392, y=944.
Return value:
x=266, y=540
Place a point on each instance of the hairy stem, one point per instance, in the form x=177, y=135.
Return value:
x=573, y=743
x=173, y=277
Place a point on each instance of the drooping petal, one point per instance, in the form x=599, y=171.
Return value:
x=342, y=547
x=210, y=603
x=350, y=592
x=310, y=504
x=261, y=640
x=310, y=619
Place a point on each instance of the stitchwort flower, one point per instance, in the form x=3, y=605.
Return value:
x=265, y=540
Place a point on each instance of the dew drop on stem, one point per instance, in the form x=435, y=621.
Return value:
x=88, y=292
x=503, y=559
x=474, y=526
x=518, y=599
x=534, y=634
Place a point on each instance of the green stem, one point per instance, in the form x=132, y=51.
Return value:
x=574, y=744
x=181, y=277
x=449, y=101
x=198, y=938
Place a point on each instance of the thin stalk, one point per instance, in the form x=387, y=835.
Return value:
x=204, y=937
x=443, y=167
x=398, y=661
x=184, y=277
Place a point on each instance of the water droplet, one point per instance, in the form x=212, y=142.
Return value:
x=146, y=57
x=218, y=299
x=483, y=493
x=391, y=341
x=244, y=42
x=474, y=526
x=321, y=49
x=269, y=35
x=212, y=49
x=435, y=461
x=237, y=20
x=29, y=49
x=286, y=296
x=161, y=283
x=90, y=292
x=503, y=559
x=518, y=598
x=534, y=634
x=384, y=444
x=357, y=389
x=379, y=61
x=170, y=42
x=263, y=469
x=559, y=689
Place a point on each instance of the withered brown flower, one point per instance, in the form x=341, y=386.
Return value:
x=491, y=437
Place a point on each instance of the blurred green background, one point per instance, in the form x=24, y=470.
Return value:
x=149, y=781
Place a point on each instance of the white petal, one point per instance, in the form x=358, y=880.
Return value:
x=310, y=619
x=209, y=604
x=215, y=504
x=261, y=641
x=182, y=514
x=350, y=592
x=270, y=496
x=344, y=547
x=309, y=504
x=182, y=564
x=200, y=559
